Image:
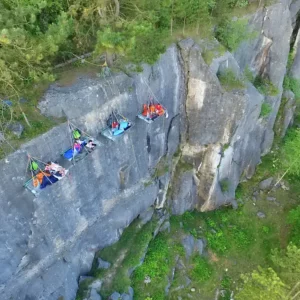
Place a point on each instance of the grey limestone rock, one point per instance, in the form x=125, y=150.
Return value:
x=266, y=184
x=261, y=215
x=184, y=195
x=289, y=111
x=114, y=296
x=295, y=69
x=16, y=128
x=188, y=243
x=191, y=245
x=129, y=295
x=199, y=245
x=94, y=295
x=61, y=229
x=96, y=285
x=102, y=264
x=82, y=278
x=146, y=216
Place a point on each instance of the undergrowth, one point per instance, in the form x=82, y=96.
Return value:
x=230, y=80
x=265, y=86
x=265, y=110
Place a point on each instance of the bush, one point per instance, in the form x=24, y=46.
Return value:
x=217, y=241
x=230, y=81
x=232, y=33
x=292, y=84
x=265, y=109
x=225, y=185
x=290, y=152
x=294, y=220
x=265, y=86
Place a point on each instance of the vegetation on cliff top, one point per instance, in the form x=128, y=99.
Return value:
x=37, y=35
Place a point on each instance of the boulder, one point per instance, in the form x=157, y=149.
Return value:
x=261, y=215
x=94, y=295
x=271, y=198
x=266, y=184
x=102, y=264
x=190, y=245
x=96, y=285
x=16, y=128
x=114, y=296
x=199, y=245
x=129, y=295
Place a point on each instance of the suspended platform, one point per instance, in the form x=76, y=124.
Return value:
x=37, y=189
x=81, y=140
x=72, y=154
x=117, y=125
x=108, y=133
x=150, y=120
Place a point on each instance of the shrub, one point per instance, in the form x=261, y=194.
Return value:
x=292, y=84
x=262, y=284
x=232, y=33
x=225, y=185
x=265, y=109
x=294, y=220
x=218, y=242
x=265, y=86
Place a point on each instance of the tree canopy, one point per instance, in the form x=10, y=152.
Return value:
x=37, y=34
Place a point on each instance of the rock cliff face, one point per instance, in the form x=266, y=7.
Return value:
x=212, y=138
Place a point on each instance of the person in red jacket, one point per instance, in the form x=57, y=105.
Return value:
x=159, y=109
x=145, y=111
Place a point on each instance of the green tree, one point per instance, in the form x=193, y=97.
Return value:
x=291, y=152
x=261, y=285
x=26, y=52
x=231, y=33
x=287, y=263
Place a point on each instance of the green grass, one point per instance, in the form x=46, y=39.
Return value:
x=201, y=269
x=230, y=81
x=265, y=110
x=157, y=266
x=292, y=84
